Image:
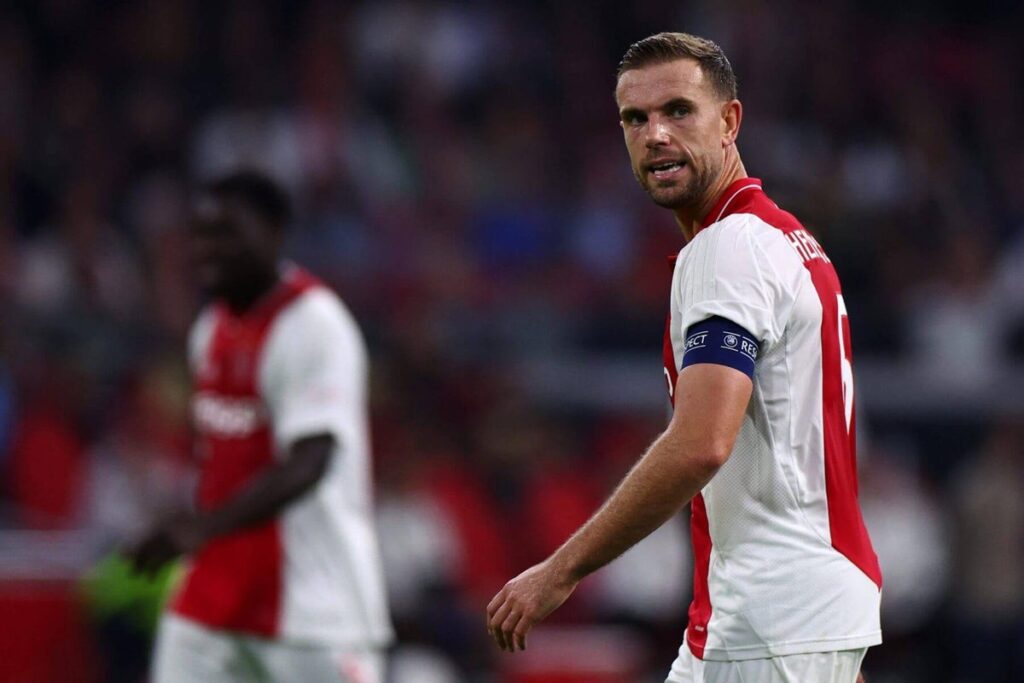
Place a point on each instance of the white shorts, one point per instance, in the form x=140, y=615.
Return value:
x=819, y=667
x=188, y=652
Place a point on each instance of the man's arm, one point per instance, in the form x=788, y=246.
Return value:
x=710, y=403
x=264, y=497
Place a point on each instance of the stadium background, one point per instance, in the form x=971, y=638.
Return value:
x=461, y=180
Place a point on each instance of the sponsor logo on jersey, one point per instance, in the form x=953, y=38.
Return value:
x=227, y=417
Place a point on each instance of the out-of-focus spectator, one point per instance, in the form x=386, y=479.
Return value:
x=958, y=320
x=140, y=470
x=419, y=546
x=910, y=533
x=46, y=469
x=911, y=538
x=988, y=594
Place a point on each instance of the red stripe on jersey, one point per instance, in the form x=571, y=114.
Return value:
x=700, y=534
x=235, y=581
x=700, y=608
x=846, y=525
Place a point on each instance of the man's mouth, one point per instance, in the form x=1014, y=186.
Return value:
x=663, y=170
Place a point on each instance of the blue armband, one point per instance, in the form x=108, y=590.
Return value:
x=722, y=342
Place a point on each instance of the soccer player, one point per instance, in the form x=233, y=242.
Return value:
x=761, y=439
x=284, y=581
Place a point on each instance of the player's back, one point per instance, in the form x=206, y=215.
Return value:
x=784, y=564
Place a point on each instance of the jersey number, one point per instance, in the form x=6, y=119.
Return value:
x=845, y=366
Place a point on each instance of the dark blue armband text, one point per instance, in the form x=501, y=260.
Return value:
x=722, y=342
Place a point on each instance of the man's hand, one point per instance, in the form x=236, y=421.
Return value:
x=179, y=535
x=524, y=601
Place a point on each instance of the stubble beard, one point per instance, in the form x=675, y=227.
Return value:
x=687, y=196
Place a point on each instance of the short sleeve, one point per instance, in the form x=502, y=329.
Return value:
x=313, y=372
x=199, y=338
x=725, y=273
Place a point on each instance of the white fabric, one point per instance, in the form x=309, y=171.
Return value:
x=777, y=586
x=187, y=652
x=313, y=378
x=816, y=667
x=199, y=338
x=727, y=270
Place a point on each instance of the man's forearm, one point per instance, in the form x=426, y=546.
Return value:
x=271, y=491
x=668, y=475
x=262, y=499
x=710, y=402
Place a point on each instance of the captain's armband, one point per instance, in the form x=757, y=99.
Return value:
x=722, y=342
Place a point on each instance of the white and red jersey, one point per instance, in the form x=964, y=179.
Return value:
x=293, y=366
x=783, y=562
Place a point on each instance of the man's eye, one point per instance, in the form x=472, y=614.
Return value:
x=679, y=111
x=633, y=119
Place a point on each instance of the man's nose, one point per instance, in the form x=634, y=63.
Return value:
x=657, y=132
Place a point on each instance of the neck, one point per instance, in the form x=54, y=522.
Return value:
x=690, y=218
x=256, y=287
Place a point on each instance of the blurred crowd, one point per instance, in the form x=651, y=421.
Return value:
x=459, y=177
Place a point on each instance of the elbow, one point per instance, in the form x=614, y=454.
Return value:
x=712, y=456
x=700, y=456
x=307, y=473
x=317, y=468
x=309, y=462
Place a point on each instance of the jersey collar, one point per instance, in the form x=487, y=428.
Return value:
x=289, y=275
x=726, y=204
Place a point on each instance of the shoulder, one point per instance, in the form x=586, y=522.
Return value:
x=316, y=318
x=742, y=268
x=738, y=240
x=201, y=333
x=317, y=310
x=755, y=239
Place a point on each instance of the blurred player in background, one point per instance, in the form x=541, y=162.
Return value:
x=284, y=581
x=761, y=440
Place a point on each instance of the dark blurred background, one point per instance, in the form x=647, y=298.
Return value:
x=460, y=178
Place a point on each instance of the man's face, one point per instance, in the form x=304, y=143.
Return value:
x=672, y=120
x=233, y=248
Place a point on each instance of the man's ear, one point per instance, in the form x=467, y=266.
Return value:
x=732, y=117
